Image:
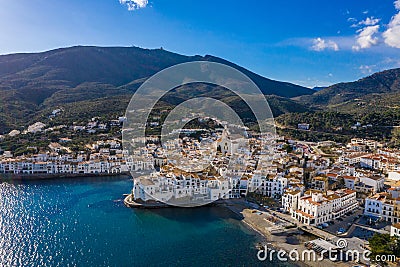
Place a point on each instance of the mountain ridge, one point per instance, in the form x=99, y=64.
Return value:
x=383, y=82
x=33, y=82
x=118, y=57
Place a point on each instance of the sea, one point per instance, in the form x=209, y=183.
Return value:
x=83, y=222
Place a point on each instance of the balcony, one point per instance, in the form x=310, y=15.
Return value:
x=349, y=207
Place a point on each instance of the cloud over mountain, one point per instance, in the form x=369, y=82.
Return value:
x=366, y=38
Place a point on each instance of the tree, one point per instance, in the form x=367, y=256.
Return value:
x=384, y=244
x=287, y=147
x=396, y=136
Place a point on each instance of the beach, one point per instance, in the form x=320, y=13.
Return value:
x=275, y=237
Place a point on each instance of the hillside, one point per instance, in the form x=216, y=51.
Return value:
x=381, y=83
x=33, y=83
x=373, y=102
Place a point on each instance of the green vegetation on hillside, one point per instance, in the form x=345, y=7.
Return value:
x=33, y=83
x=384, y=82
x=91, y=82
x=328, y=125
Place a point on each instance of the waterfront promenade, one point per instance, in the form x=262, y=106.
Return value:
x=289, y=238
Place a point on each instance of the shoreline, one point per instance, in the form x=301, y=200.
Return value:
x=130, y=203
x=278, y=241
x=59, y=176
x=251, y=218
x=262, y=237
x=241, y=212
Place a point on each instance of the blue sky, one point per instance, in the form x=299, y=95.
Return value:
x=311, y=43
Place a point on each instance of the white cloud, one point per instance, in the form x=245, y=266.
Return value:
x=320, y=44
x=370, y=21
x=134, y=4
x=392, y=34
x=390, y=63
x=397, y=4
x=365, y=69
x=365, y=38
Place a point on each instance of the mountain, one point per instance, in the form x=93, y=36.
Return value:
x=267, y=86
x=69, y=67
x=381, y=84
x=373, y=101
x=31, y=84
x=319, y=88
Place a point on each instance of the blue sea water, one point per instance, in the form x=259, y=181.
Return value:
x=83, y=222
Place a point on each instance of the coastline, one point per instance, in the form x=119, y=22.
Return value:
x=130, y=203
x=256, y=223
x=87, y=224
x=58, y=176
x=251, y=218
x=242, y=212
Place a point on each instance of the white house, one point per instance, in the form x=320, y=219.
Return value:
x=395, y=176
x=395, y=230
x=350, y=181
x=375, y=181
x=317, y=208
x=290, y=200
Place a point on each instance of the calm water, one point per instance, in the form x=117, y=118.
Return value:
x=84, y=222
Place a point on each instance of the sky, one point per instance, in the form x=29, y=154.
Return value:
x=311, y=43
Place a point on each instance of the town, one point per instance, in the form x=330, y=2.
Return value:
x=329, y=189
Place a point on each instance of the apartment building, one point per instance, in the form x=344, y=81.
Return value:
x=315, y=208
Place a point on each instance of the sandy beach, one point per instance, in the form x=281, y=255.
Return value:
x=277, y=237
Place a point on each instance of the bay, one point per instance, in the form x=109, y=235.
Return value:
x=83, y=222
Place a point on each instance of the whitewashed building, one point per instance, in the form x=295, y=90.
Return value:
x=290, y=200
x=317, y=208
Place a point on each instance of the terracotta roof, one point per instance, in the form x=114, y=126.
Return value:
x=292, y=192
x=304, y=214
x=309, y=200
x=347, y=177
x=396, y=225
